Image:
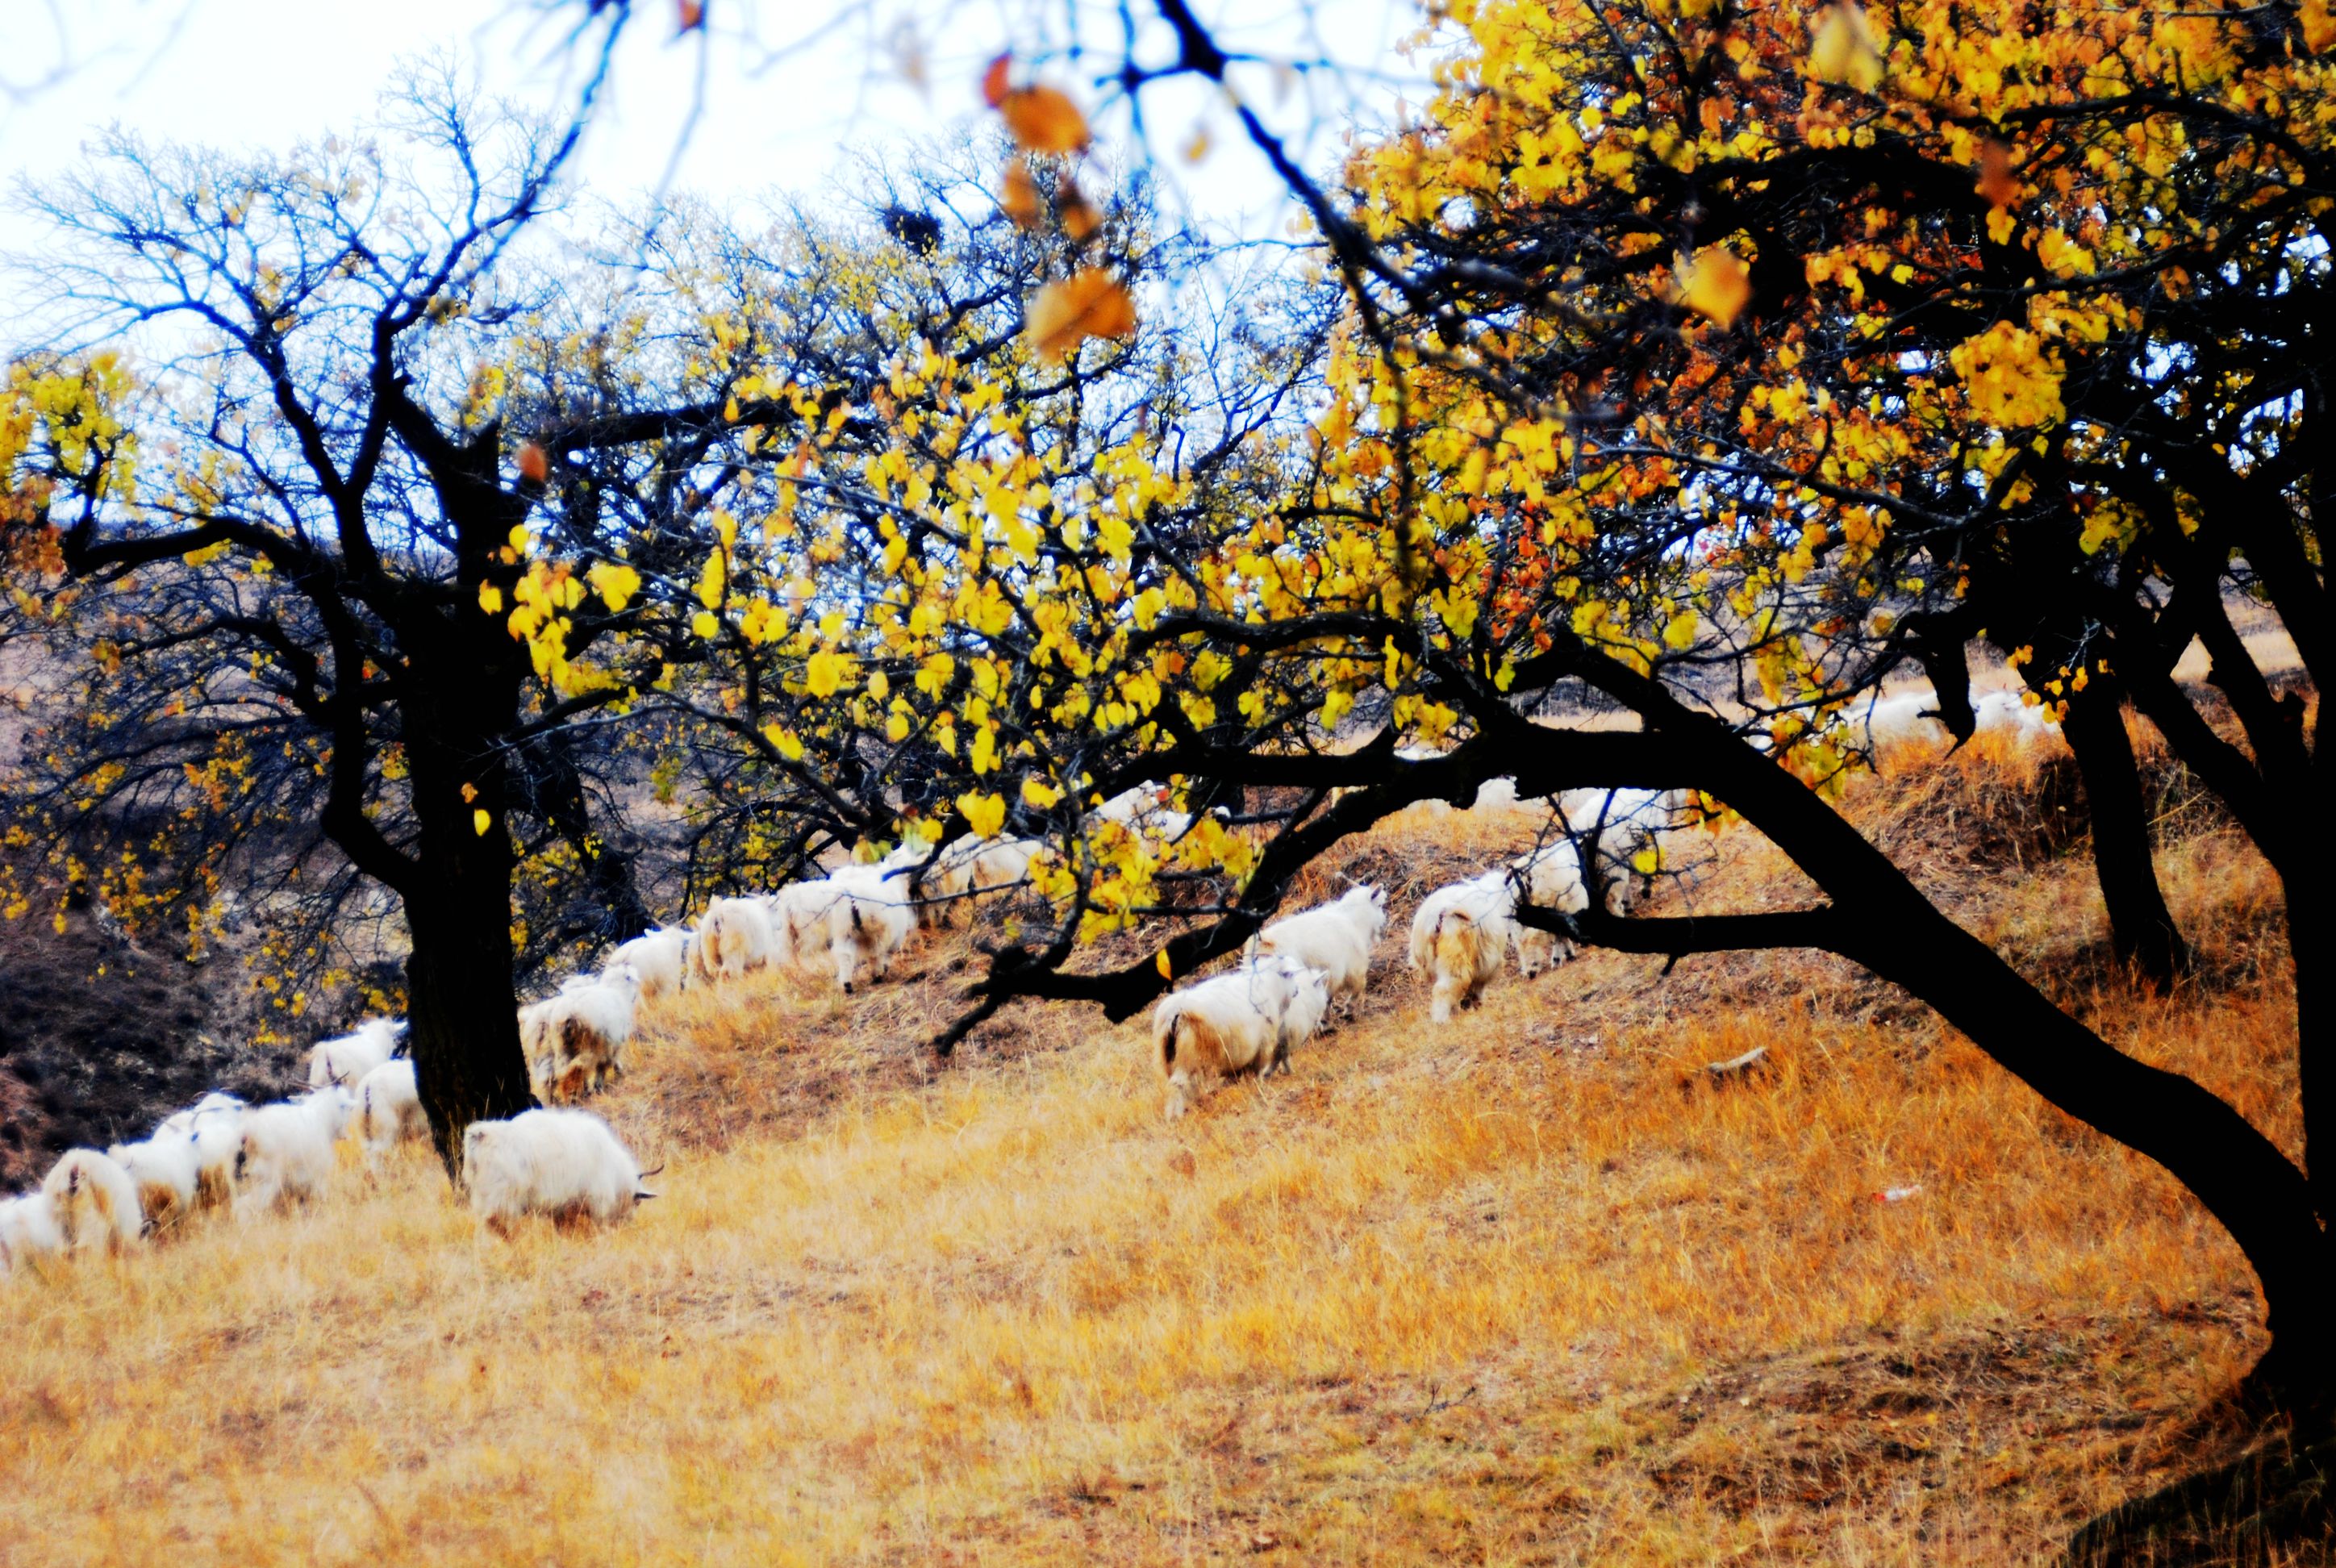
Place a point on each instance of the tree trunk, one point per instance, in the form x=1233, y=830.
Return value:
x=462, y=1027
x=2141, y=932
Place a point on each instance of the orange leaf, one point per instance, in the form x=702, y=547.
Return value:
x=994, y=86
x=1019, y=200
x=1044, y=120
x=1997, y=184
x=2319, y=25
x=691, y=13
x=534, y=464
x=1088, y=304
x=1715, y=285
x=1080, y=218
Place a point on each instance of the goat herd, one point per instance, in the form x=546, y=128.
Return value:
x=222, y=1154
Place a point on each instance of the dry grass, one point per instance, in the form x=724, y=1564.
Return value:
x=1522, y=1289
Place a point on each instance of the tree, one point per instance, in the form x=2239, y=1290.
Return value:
x=277, y=550
x=1716, y=361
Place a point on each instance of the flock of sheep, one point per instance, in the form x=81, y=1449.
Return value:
x=222, y=1154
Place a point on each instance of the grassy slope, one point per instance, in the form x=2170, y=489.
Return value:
x=1525, y=1289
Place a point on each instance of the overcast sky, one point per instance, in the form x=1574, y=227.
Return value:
x=271, y=72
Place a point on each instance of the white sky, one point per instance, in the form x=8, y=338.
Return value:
x=270, y=72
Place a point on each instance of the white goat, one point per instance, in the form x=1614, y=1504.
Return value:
x=94, y=1202
x=284, y=1154
x=1336, y=938
x=566, y=1164
x=661, y=957
x=1243, y=1021
x=734, y=936
x=869, y=921
x=166, y=1171
x=347, y=1059
x=28, y=1230
x=1552, y=878
x=218, y=1140
x=576, y=1041
x=212, y=1106
x=389, y=1111
x=1459, y=936
x=1622, y=825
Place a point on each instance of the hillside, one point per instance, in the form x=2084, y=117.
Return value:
x=1531, y=1288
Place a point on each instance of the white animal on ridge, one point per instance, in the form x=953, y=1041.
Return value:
x=568, y=1166
x=1459, y=935
x=285, y=1153
x=28, y=1232
x=869, y=921
x=1336, y=938
x=734, y=936
x=1552, y=878
x=389, y=1111
x=93, y=1201
x=215, y=1106
x=1248, y=1019
x=218, y=1140
x=1622, y=825
x=660, y=957
x=576, y=1041
x=166, y=1171
x=346, y=1059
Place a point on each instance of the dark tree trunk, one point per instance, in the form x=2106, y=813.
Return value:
x=462, y=1029
x=2141, y=932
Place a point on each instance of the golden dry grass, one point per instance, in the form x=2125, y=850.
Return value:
x=1525, y=1289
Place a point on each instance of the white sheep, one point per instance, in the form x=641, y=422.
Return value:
x=285, y=1152
x=576, y=1041
x=734, y=936
x=213, y=1106
x=1553, y=879
x=1336, y=938
x=1247, y=1019
x=94, y=1202
x=565, y=1165
x=166, y=1172
x=347, y=1059
x=1459, y=935
x=661, y=958
x=798, y=916
x=389, y=1111
x=869, y=921
x=1623, y=826
x=969, y=868
x=218, y=1140
x=28, y=1232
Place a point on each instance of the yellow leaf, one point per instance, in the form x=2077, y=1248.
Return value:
x=1843, y=48
x=1044, y=120
x=1037, y=791
x=490, y=598
x=1167, y=970
x=1680, y=633
x=704, y=624
x=984, y=814
x=1089, y=304
x=615, y=584
x=480, y=821
x=1715, y=285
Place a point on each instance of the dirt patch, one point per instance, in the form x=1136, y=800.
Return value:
x=100, y=1039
